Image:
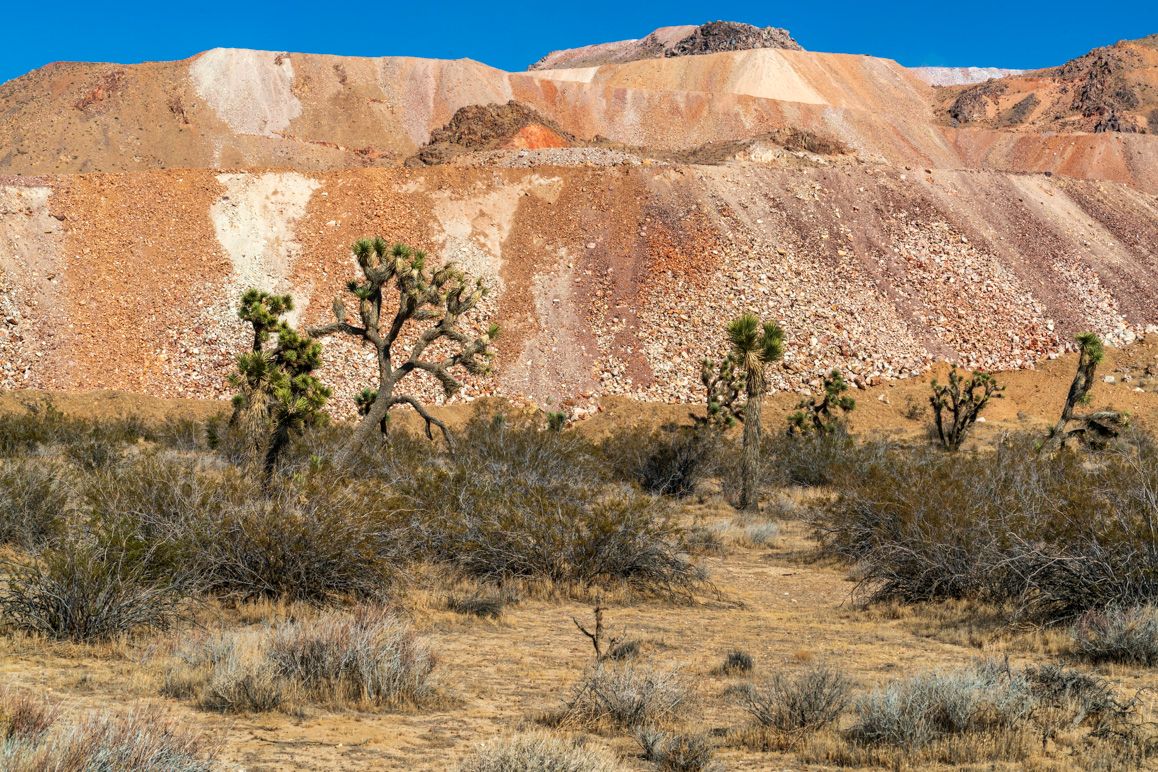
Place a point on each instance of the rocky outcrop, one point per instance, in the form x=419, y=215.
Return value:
x=512, y=126
x=710, y=38
x=1112, y=89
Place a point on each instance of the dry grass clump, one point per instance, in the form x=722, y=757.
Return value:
x=537, y=752
x=627, y=697
x=810, y=701
x=914, y=712
x=33, y=737
x=677, y=752
x=363, y=658
x=34, y=502
x=1124, y=635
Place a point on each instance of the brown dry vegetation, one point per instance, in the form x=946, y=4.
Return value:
x=274, y=695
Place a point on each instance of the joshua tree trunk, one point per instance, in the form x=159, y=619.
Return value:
x=750, y=459
x=277, y=443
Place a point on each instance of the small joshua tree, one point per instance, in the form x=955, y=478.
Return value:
x=754, y=345
x=444, y=298
x=277, y=391
x=820, y=416
x=1092, y=430
x=957, y=404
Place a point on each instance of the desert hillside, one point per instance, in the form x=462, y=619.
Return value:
x=620, y=211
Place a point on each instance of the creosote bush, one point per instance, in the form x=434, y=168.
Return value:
x=1050, y=534
x=516, y=502
x=34, y=502
x=537, y=752
x=362, y=658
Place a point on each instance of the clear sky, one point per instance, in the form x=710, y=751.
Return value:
x=1024, y=34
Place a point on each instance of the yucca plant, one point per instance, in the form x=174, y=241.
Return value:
x=444, y=298
x=957, y=405
x=819, y=416
x=277, y=391
x=1094, y=430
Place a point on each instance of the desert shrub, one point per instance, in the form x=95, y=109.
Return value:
x=143, y=739
x=676, y=752
x=627, y=697
x=1049, y=533
x=536, y=752
x=34, y=502
x=83, y=589
x=1125, y=635
x=316, y=541
x=515, y=502
x=670, y=461
x=94, y=451
x=811, y=700
x=363, y=657
x=914, y=712
x=736, y=662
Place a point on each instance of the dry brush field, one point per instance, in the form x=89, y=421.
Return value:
x=891, y=605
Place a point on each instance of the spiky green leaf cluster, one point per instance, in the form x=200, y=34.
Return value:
x=819, y=416
x=755, y=344
x=280, y=382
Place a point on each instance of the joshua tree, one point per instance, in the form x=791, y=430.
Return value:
x=444, y=298
x=819, y=416
x=723, y=384
x=754, y=345
x=957, y=405
x=1096, y=429
x=277, y=390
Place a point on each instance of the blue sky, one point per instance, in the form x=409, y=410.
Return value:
x=511, y=36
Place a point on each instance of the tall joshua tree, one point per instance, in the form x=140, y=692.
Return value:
x=1095, y=429
x=276, y=388
x=441, y=300
x=753, y=346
